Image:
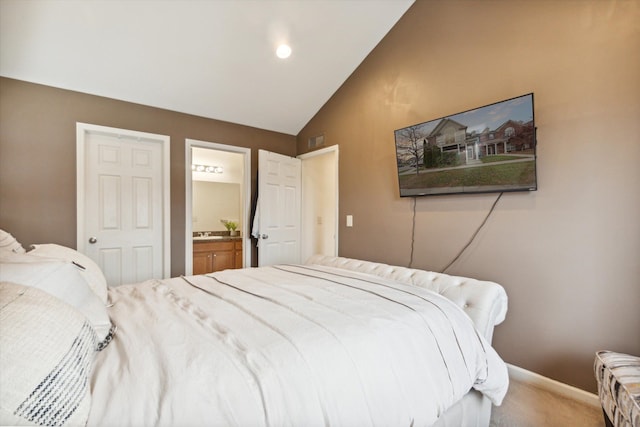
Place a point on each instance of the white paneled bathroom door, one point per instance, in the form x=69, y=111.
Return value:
x=123, y=202
x=279, y=206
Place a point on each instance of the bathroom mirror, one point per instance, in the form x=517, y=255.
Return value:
x=212, y=202
x=216, y=189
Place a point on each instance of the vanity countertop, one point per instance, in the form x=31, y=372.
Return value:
x=215, y=238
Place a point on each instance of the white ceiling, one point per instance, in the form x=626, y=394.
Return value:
x=211, y=58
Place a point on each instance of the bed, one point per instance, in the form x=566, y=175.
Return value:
x=334, y=341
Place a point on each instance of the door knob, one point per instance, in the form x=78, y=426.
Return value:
x=265, y=236
x=92, y=240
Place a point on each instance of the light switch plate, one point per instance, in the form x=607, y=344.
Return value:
x=349, y=220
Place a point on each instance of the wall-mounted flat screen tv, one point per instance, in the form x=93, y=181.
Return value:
x=487, y=149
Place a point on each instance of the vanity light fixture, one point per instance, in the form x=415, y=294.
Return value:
x=206, y=168
x=283, y=51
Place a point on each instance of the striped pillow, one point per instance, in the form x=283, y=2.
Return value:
x=48, y=349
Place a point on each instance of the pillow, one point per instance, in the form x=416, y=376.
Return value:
x=46, y=359
x=88, y=268
x=63, y=280
x=8, y=243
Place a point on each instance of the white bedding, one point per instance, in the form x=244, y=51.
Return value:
x=287, y=346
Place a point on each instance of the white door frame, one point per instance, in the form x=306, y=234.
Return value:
x=82, y=130
x=327, y=150
x=246, y=199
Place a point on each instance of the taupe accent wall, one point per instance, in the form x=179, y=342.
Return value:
x=567, y=254
x=38, y=157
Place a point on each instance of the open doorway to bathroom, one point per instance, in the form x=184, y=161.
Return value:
x=218, y=192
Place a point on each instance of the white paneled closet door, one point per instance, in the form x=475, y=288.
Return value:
x=123, y=209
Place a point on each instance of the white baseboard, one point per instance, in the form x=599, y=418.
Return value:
x=525, y=376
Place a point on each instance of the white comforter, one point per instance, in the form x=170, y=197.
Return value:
x=287, y=346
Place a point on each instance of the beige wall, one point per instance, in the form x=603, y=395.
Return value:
x=568, y=254
x=38, y=160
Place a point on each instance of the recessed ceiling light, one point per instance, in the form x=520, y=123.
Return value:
x=283, y=51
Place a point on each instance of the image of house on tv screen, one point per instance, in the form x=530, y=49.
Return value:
x=487, y=149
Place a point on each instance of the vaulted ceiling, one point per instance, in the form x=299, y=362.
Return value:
x=211, y=58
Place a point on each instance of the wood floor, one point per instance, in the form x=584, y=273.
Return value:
x=528, y=405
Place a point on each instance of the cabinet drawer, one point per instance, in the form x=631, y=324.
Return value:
x=213, y=246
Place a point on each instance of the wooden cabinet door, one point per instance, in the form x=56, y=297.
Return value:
x=202, y=262
x=238, y=251
x=223, y=260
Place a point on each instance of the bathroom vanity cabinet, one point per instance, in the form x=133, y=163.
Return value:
x=213, y=256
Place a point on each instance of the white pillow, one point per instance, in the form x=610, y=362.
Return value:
x=8, y=243
x=47, y=354
x=89, y=269
x=63, y=280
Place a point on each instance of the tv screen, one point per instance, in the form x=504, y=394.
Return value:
x=487, y=149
